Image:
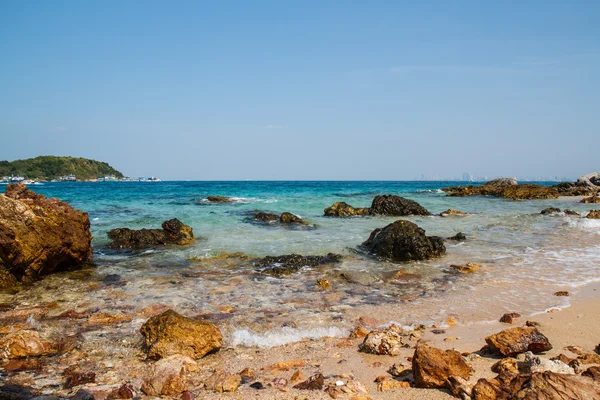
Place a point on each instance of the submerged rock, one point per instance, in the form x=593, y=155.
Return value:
x=174, y=232
x=453, y=213
x=289, y=218
x=396, y=206
x=26, y=343
x=519, y=340
x=550, y=210
x=219, y=199
x=404, y=241
x=465, y=269
x=459, y=237
x=169, y=334
x=432, y=367
x=341, y=209
x=288, y=264
x=39, y=236
x=266, y=217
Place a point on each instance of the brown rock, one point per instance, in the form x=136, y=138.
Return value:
x=518, y=340
x=575, y=350
x=589, y=358
x=221, y=382
x=389, y=204
x=289, y=218
x=173, y=232
x=385, y=342
x=592, y=372
x=488, y=389
x=39, y=236
x=323, y=284
x=105, y=318
x=507, y=365
x=532, y=324
x=552, y=386
x=397, y=370
x=23, y=365
x=315, y=382
x=358, y=332
x=561, y=293
x=341, y=209
x=594, y=214
x=285, y=365
x=297, y=377
x=510, y=318
x=124, y=391
x=75, y=377
x=432, y=367
x=452, y=213
x=26, y=344
x=220, y=199
x=513, y=192
x=595, y=199
x=169, y=333
x=169, y=376
x=465, y=269
x=390, y=384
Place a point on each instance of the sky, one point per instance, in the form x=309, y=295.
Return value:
x=302, y=90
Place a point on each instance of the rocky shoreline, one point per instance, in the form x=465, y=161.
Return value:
x=155, y=350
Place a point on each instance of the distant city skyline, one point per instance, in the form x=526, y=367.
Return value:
x=271, y=90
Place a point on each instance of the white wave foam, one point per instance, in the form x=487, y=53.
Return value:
x=585, y=223
x=279, y=337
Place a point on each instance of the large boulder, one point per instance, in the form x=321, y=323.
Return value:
x=513, y=341
x=389, y=204
x=170, y=334
x=341, y=209
x=432, y=367
x=592, y=179
x=173, y=232
x=502, y=182
x=404, y=241
x=39, y=236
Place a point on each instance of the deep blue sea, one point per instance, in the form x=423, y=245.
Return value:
x=525, y=256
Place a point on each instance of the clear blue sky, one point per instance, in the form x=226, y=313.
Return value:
x=304, y=89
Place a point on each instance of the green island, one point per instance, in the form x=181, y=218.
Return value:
x=53, y=167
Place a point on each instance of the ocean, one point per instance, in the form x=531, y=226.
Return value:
x=525, y=257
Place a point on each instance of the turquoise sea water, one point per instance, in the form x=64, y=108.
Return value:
x=525, y=256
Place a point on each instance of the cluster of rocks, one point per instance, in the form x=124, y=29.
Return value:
x=39, y=236
x=506, y=188
x=509, y=188
x=592, y=214
x=285, y=219
x=388, y=204
x=533, y=378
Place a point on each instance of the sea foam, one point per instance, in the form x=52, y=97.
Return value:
x=280, y=337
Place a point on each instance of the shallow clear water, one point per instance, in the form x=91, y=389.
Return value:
x=525, y=256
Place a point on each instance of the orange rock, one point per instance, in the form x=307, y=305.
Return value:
x=390, y=384
x=105, y=318
x=518, y=340
x=286, y=365
x=465, y=269
x=358, y=332
x=169, y=376
x=26, y=344
x=170, y=333
x=151, y=311
x=297, y=377
x=510, y=318
x=432, y=366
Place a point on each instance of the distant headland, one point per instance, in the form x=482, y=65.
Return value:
x=53, y=168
